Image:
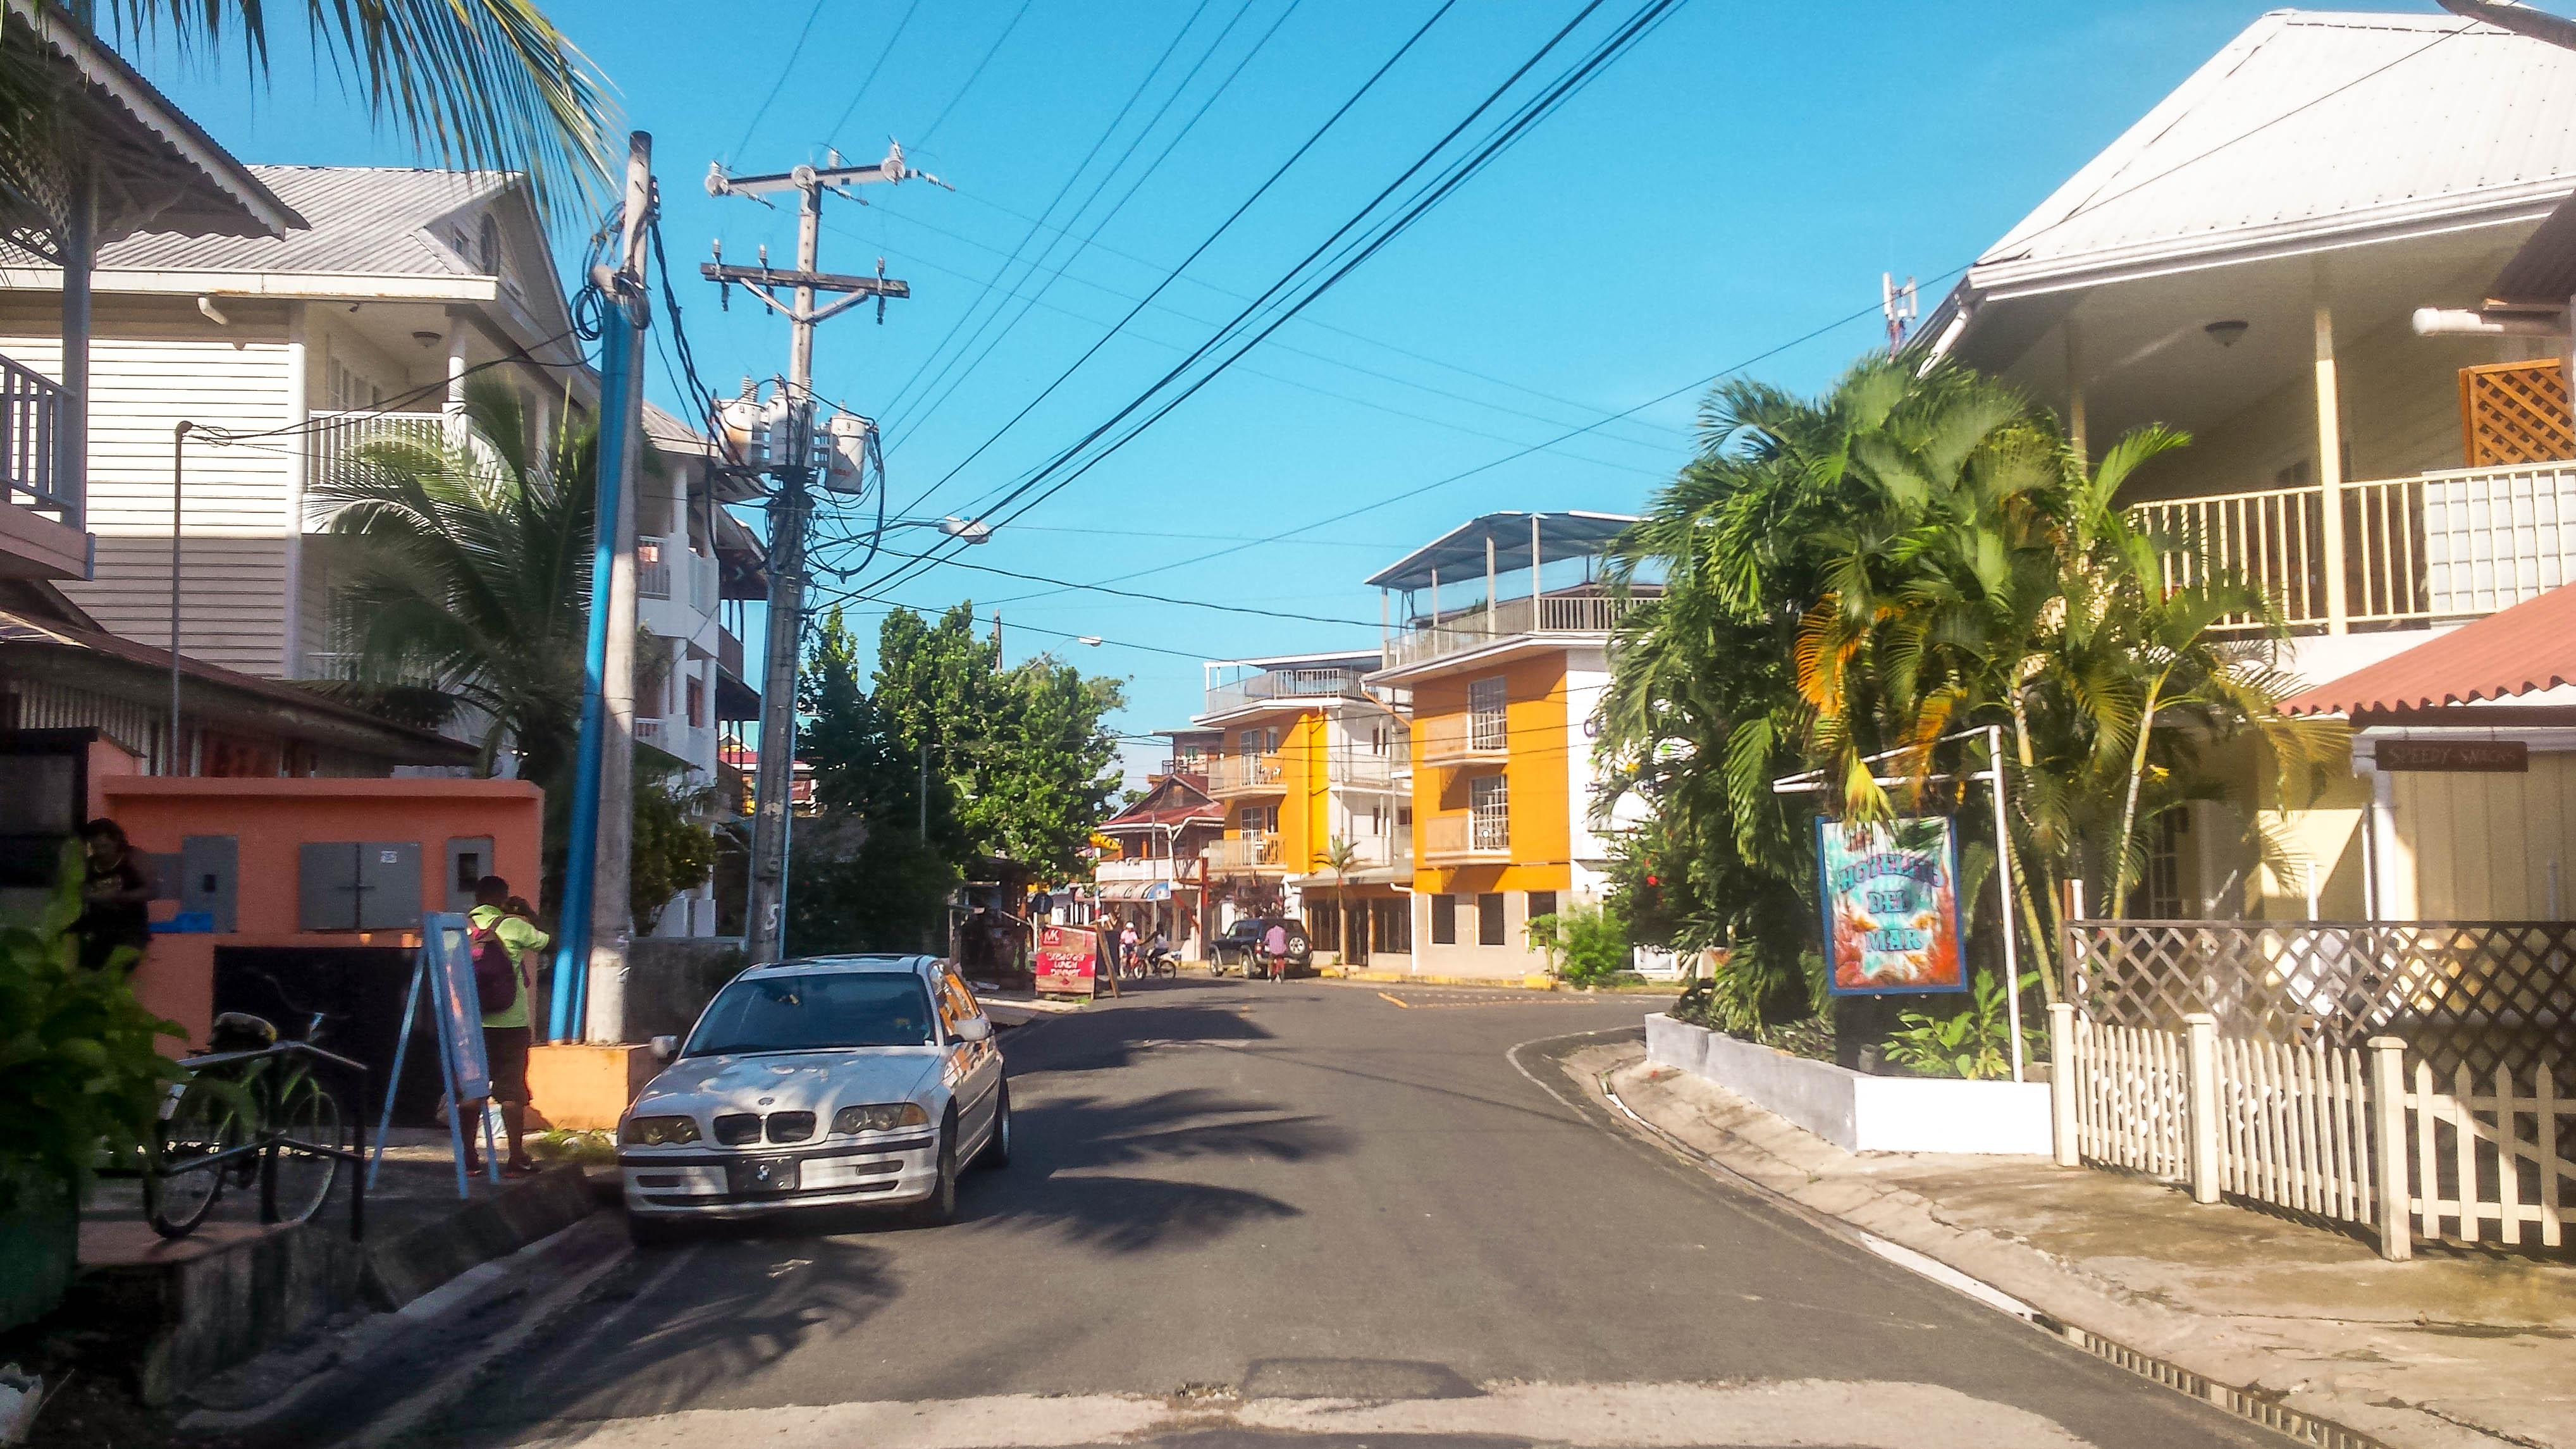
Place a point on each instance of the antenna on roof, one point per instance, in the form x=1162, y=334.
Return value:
x=1899, y=306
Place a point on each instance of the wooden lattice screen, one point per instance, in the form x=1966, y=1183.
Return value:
x=2474, y=994
x=2515, y=412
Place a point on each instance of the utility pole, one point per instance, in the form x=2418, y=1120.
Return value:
x=612, y=555
x=792, y=503
x=612, y=910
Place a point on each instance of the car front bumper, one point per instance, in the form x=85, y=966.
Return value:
x=697, y=1181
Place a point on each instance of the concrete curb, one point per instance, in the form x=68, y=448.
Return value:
x=2346, y=1384
x=403, y=1268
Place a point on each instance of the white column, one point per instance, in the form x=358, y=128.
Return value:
x=2391, y=899
x=455, y=407
x=2075, y=430
x=299, y=453
x=2330, y=471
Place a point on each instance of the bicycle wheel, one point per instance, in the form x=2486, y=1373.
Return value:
x=308, y=1113
x=196, y=1124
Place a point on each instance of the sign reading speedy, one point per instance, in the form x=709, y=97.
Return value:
x=1891, y=907
x=1067, y=960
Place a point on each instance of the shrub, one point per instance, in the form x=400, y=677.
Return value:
x=80, y=1071
x=1586, y=944
x=1974, y=1042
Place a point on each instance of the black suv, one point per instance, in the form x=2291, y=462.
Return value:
x=1239, y=947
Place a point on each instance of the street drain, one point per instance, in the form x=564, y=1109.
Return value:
x=2243, y=1403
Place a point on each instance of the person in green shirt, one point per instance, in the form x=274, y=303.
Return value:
x=506, y=1033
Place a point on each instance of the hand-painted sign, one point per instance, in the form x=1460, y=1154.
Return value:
x=1891, y=898
x=2467, y=757
x=1067, y=960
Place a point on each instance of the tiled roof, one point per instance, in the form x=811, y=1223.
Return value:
x=369, y=220
x=2522, y=650
x=2313, y=122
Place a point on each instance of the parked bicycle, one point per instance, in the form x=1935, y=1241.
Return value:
x=252, y=1112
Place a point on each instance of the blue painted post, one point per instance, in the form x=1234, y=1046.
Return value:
x=572, y=931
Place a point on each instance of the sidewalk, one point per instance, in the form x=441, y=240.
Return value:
x=2457, y=1348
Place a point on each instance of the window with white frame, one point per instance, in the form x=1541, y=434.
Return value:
x=1489, y=813
x=1487, y=726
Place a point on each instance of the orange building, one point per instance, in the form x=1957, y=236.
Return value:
x=1504, y=676
x=1310, y=770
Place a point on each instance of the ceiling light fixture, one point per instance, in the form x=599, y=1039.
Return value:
x=2225, y=333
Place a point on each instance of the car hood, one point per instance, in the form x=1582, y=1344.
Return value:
x=815, y=1082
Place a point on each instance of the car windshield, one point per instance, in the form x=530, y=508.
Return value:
x=811, y=1012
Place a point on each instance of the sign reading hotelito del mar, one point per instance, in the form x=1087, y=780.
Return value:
x=1891, y=907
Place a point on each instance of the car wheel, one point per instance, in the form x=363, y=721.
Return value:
x=646, y=1232
x=940, y=1208
x=997, y=1148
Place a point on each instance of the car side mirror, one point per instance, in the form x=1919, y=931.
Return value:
x=666, y=1047
x=975, y=1028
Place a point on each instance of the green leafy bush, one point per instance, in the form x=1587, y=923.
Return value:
x=80, y=1071
x=1588, y=944
x=1974, y=1043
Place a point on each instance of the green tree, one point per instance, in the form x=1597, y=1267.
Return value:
x=669, y=851
x=1905, y=558
x=478, y=84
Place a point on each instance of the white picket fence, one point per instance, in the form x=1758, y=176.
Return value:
x=2308, y=1127
x=2498, y=1173
x=2131, y=1107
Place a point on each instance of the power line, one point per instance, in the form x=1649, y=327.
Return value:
x=1121, y=593
x=1054, y=274
x=793, y=52
x=1053, y=202
x=871, y=79
x=974, y=75
x=1360, y=249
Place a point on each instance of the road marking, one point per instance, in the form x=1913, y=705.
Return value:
x=1861, y=1415
x=1407, y=1005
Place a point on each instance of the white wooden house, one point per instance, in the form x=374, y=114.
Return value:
x=2245, y=263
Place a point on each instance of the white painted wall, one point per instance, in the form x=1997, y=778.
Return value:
x=1861, y=1113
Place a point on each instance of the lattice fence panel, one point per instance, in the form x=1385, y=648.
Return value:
x=2515, y=412
x=2473, y=994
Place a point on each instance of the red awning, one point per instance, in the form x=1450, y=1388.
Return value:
x=2531, y=646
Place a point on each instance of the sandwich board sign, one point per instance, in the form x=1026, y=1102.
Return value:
x=1891, y=906
x=444, y=974
x=1068, y=961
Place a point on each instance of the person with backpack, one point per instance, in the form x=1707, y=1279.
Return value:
x=505, y=941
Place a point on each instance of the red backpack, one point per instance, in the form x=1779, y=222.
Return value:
x=496, y=974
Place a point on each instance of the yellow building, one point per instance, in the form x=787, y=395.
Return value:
x=1504, y=673
x=1309, y=758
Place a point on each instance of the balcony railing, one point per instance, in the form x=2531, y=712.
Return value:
x=1449, y=739
x=2445, y=545
x=1182, y=869
x=1375, y=852
x=653, y=572
x=1244, y=775
x=334, y=438
x=1247, y=852
x=1358, y=768
x=702, y=583
x=1474, y=628
x=31, y=420
x=729, y=652
x=1286, y=684
x=1477, y=835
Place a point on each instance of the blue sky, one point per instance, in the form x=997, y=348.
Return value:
x=1737, y=181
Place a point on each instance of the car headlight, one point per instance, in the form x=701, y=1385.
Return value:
x=880, y=1117
x=658, y=1131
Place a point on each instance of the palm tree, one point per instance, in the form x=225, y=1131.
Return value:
x=1341, y=857
x=480, y=84
x=471, y=574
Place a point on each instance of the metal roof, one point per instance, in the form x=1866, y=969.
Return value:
x=2311, y=122
x=1460, y=553
x=2524, y=649
x=367, y=220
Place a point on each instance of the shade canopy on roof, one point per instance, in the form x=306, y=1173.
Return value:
x=148, y=164
x=1460, y=552
x=2524, y=649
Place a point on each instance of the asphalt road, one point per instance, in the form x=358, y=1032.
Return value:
x=1241, y=1211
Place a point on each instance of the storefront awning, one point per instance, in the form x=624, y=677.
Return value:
x=1137, y=890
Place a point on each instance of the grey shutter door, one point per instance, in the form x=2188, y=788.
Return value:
x=389, y=885
x=326, y=886
x=210, y=877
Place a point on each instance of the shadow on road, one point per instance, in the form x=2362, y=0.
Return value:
x=1110, y=1037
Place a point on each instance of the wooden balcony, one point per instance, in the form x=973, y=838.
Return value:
x=1462, y=739
x=1245, y=855
x=1476, y=837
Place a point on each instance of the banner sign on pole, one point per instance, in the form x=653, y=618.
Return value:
x=1067, y=961
x=1891, y=894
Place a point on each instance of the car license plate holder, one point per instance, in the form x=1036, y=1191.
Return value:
x=762, y=1176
